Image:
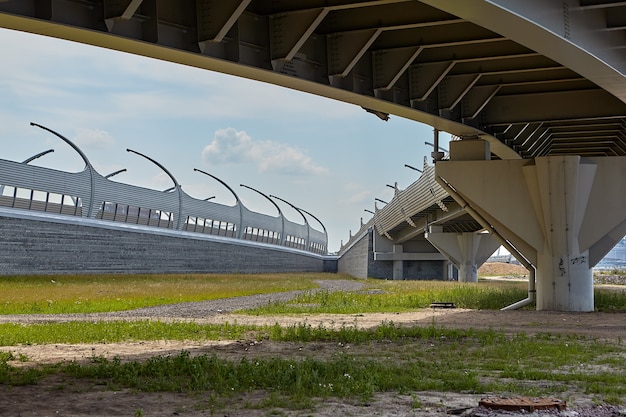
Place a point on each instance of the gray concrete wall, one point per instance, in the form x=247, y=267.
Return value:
x=358, y=260
x=425, y=270
x=355, y=260
x=29, y=246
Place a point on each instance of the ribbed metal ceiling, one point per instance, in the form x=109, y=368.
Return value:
x=446, y=63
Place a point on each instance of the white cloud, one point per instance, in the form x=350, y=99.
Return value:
x=93, y=138
x=230, y=146
x=357, y=194
x=161, y=180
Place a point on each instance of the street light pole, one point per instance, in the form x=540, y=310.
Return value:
x=176, y=186
x=26, y=161
x=112, y=174
x=88, y=165
x=413, y=168
x=280, y=213
x=308, y=232
x=237, y=200
x=322, y=224
x=39, y=155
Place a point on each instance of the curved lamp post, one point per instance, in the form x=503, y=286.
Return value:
x=88, y=165
x=381, y=201
x=323, y=227
x=39, y=155
x=27, y=161
x=433, y=145
x=280, y=213
x=112, y=174
x=176, y=186
x=413, y=168
x=237, y=200
x=306, y=222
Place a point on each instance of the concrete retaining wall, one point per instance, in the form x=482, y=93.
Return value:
x=354, y=261
x=32, y=245
x=358, y=260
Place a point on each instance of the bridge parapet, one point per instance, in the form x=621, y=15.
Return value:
x=422, y=194
x=89, y=194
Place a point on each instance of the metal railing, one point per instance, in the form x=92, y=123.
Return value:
x=422, y=194
x=89, y=194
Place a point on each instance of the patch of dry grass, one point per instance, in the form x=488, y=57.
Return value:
x=490, y=269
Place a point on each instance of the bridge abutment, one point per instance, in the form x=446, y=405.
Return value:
x=563, y=213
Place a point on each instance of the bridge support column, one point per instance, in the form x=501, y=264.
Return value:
x=467, y=251
x=398, y=264
x=563, y=213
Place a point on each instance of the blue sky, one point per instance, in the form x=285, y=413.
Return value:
x=327, y=157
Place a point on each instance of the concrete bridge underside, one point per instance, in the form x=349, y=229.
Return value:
x=541, y=82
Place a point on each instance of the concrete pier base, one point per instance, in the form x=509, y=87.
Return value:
x=563, y=213
x=467, y=251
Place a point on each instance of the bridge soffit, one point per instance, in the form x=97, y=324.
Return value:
x=497, y=69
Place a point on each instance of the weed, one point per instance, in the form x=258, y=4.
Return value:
x=416, y=403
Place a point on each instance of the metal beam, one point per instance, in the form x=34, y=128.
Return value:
x=390, y=65
x=425, y=78
x=455, y=89
x=131, y=9
x=215, y=18
x=476, y=101
x=566, y=35
x=545, y=107
x=289, y=31
x=345, y=50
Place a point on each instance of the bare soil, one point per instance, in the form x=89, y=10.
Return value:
x=501, y=269
x=63, y=396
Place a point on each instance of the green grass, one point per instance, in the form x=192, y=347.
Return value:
x=106, y=293
x=12, y=334
x=610, y=300
x=398, y=296
x=401, y=296
x=339, y=376
x=385, y=358
x=358, y=363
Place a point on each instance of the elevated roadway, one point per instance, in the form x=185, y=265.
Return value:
x=535, y=90
x=534, y=78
